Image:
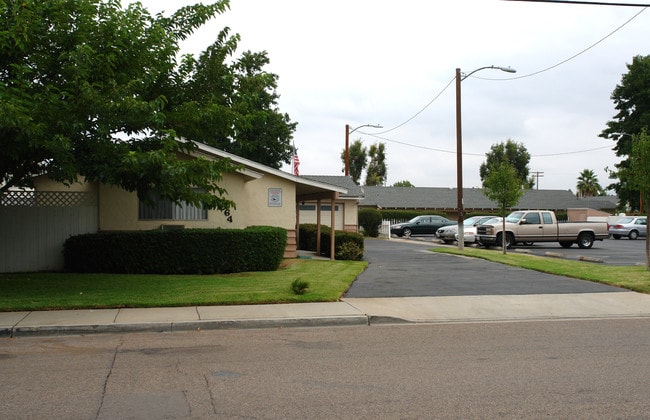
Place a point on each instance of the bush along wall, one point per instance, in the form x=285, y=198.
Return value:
x=186, y=251
x=370, y=221
x=408, y=214
x=349, y=245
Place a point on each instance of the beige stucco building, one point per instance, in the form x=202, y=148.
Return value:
x=263, y=196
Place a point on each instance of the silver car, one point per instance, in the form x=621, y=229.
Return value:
x=630, y=226
x=470, y=232
x=449, y=234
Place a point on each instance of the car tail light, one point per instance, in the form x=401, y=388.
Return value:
x=617, y=226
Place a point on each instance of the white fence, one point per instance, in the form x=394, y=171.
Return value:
x=384, y=229
x=34, y=226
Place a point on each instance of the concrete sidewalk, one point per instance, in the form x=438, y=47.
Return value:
x=350, y=311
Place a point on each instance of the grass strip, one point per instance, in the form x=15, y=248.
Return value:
x=635, y=278
x=328, y=281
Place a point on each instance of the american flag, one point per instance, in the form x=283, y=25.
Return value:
x=296, y=161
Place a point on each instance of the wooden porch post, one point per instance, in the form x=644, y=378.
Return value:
x=333, y=229
x=318, y=227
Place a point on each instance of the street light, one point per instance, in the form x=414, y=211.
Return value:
x=347, y=143
x=459, y=148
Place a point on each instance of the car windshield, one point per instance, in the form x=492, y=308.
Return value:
x=470, y=221
x=515, y=217
x=625, y=220
x=415, y=219
x=491, y=221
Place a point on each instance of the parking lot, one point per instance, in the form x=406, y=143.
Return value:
x=608, y=251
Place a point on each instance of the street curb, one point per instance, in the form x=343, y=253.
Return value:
x=170, y=327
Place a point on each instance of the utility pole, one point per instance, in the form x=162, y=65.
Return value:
x=537, y=176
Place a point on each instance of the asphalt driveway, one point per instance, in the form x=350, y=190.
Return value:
x=405, y=268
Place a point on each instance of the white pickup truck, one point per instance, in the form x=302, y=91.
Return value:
x=541, y=226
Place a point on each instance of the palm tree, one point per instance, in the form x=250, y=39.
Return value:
x=588, y=185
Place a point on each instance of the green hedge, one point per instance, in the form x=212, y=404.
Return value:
x=184, y=251
x=408, y=214
x=370, y=221
x=307, y=241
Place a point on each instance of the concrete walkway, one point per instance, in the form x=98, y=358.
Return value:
x=350, y=311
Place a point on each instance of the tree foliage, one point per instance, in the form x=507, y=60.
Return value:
x=404, y=183
x=503, y=185
x=632, y=102
x=91, y=89
x=639, y=175
x=377, y=172
x=588, y=185
x=357, y=159
x=231, y=103
x=512, y=152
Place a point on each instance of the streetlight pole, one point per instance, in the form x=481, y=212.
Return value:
x=459, y=150
x=347, y=143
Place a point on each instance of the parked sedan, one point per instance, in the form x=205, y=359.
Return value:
x=448, y=234
x=630, y=226
x=420, y=225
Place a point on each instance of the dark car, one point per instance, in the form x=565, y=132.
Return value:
x=420, y=225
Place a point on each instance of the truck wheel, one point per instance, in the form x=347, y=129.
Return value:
x=633, y=235
x=585, y=240
x=510, y=240
x=566, y=244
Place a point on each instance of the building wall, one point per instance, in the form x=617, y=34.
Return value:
x=118, y=209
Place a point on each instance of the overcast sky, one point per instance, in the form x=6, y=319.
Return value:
x=391, y=63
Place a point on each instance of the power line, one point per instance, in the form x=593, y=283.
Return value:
x=433, y=149
x=591, y=3
x=377, y=135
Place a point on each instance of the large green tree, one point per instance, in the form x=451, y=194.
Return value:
x=514, y=153
x=377, y=172
x=588, y=185
x=632, y=102
x=357, y=159
x=90, y=88
x=231, y=103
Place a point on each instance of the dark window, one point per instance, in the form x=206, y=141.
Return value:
x=163, y=209
x=533, y=219
x=329, y=208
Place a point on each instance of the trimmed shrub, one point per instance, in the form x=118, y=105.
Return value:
x=340, y=239
x=184, y=251
x=308, y=241
x=307, y=236
x=407, y=214
x=370, y=221
x=349, y=251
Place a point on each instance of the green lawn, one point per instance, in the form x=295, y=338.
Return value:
x=328, y=281
x=635, y=278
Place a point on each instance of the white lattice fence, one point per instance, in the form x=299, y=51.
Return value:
x=34, y=226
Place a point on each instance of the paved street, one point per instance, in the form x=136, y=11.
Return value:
x=587, y=369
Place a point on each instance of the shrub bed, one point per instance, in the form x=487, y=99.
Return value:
x=349, y=245
x=185, y=251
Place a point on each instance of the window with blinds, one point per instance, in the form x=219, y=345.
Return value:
x=164, y=209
